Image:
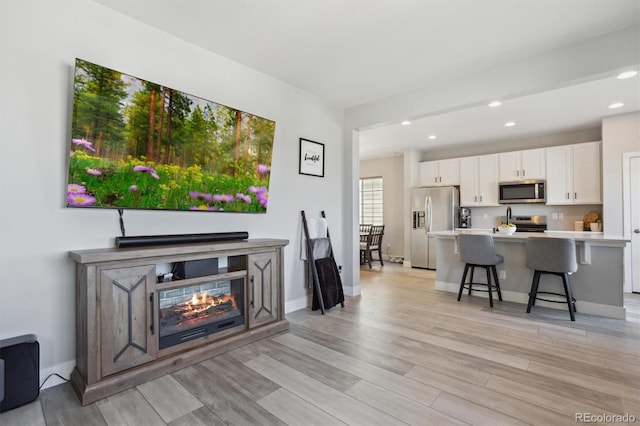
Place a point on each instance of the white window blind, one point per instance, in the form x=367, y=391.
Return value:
x=371, y=201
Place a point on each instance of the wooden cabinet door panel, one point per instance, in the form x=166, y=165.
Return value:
x=533, y=164
x=263, y=288
x=488, y=180
x=559, y=175
x=509, y=167
x=468, y=181
x=449, y=172
x=587, y=182
x=127, y=317
x=429, y=174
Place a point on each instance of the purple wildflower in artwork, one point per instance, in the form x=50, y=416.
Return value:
x=243, y=197
x=147, y=169
x=133, y=188
x=85, y=143
x=263, y=169
x=261, y=194
x=224, y=198
x=80, y=200
x=94, y=172
x=74, y=188
x=200, y=195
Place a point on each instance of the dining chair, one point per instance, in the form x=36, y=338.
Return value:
x=373, y=243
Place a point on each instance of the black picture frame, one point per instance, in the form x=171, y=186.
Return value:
x=311, y=159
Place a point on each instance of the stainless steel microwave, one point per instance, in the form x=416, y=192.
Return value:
x=525, y=191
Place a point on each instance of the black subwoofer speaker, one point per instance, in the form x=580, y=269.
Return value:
x=19, y=371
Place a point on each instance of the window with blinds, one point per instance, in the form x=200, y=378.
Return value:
x=371, y=201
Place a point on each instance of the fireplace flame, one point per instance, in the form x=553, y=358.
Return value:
x=202, y=302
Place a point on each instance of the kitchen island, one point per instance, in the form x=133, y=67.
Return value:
x=597, y=285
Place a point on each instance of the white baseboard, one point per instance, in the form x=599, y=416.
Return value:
x=590, y=308
x=297, y=304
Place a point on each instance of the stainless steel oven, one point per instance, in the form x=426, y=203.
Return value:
x=525, y=191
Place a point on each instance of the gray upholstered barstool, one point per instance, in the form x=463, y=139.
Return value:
x=555, y=256
x=476, y=250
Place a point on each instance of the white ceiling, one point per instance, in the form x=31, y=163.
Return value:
x=351, y=52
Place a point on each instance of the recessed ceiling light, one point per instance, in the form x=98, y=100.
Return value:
x=405, y=123
x=509, y=124
x=495, y=104
x=431, y=137
x=616, y=105
x=627, y=74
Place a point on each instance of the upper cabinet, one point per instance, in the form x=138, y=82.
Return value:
x=574, y=174
x=439, y=173
x=479, y=181
x=522, y=165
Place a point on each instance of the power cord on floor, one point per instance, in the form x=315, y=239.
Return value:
x=49, y=376
x=394, y=259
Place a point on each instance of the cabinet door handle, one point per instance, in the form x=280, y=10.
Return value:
x=475, y=198
x=636, y=231
x=575, y=195
x=481, y=198
x=523, y=173
x=435, y=179
x=152, y=326
x=252, y=292
x=567, y=195
x=518, y=173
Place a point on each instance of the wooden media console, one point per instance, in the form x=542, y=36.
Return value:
x=124, y=336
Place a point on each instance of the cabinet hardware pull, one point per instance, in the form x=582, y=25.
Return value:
x=518, y=173
x=152, y=327
x=435, y=179
x=252, y=292
x=567, y=195
x=481, y=198
x=575, y=195
x=475, y=198
x=636, y=231
x=523, y=173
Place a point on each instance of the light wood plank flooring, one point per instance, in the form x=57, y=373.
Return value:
x=402, y=353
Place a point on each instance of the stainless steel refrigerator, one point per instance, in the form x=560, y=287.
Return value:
x=432, y=209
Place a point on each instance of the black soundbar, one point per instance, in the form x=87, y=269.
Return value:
x=154, y=240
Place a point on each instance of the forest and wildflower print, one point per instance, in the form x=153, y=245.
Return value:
x=136, y=144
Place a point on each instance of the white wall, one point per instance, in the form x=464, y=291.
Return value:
x=391, y=171
x=620, y=135
x=39, y=41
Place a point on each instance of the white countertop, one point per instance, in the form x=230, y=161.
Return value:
x=598, y=237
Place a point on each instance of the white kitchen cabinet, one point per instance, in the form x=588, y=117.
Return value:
x=439, y=173
x=479, y=181
x=574, y=174
x=522, y=165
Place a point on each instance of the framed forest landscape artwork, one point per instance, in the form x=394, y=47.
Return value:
x=142, y=145
x=311, y=158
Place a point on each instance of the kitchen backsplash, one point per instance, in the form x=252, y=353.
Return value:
x=559, y=218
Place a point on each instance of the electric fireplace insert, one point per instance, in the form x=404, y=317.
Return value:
x=196, y=310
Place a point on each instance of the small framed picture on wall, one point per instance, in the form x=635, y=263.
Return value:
x=311, y=158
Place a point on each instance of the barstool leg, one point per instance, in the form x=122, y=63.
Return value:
x=473, y=269
x=534, y=290
x=495, y=277
x=464, y=277
x=569, y=294
x=489, y=285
